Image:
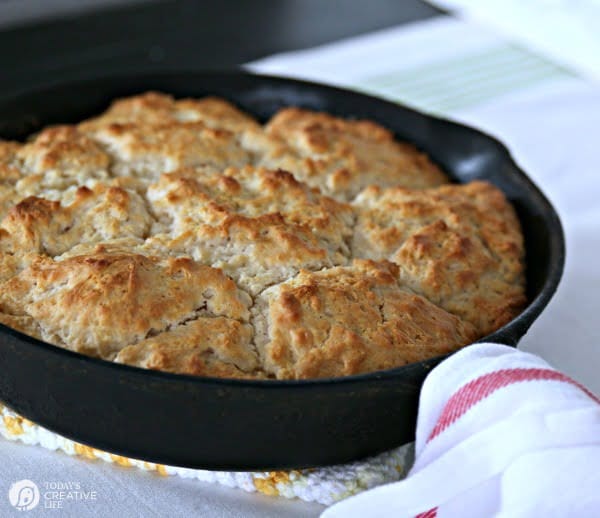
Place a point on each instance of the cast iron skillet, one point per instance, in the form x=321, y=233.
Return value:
x=248, y=425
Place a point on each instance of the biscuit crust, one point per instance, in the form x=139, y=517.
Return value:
x=184, y=236
x=342, y=156
x=458, y=245
x=348, y=320
x=97, y=304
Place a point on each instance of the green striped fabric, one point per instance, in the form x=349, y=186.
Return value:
x=451, y=84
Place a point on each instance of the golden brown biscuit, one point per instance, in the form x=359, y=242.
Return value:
x=458, y=245
x=348, y=320
x=23, y=323
x=153, y=133
x=8, y=198
x=159, y=108
x=52, y=165
x=259, y=226
x=341, y=157
x=146, y=150
x=8, y=154
x=10, y=174
x=256, y=252
x=57, y=161
x=181, y=235
x=98, y=304
x=10, y=263
x=185, y=198
x=47, y=227
x=203, y=347
x=63, y=149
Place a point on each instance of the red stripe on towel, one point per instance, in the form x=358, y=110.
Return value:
x=480, y=388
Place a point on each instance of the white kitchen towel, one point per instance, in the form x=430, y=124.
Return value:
x=500, y=433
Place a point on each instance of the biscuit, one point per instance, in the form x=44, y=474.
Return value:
x=341, y=157
x=349, y=320
x=259, y=226
x=98, y=304
x=159, y=108
x=48, y=227
x=186, y=237
x=216, y=346
x=10, y=174
x=146, y=150
x=458, y=245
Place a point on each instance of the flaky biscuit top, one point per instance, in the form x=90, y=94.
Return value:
x=184, y=236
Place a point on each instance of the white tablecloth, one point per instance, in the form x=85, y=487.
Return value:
x=549, y=119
